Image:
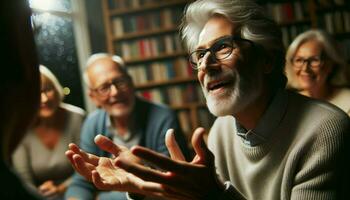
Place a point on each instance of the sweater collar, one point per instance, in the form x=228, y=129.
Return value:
x=268, y=122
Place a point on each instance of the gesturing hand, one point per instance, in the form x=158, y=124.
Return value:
x=103, y=172
x=182, y=180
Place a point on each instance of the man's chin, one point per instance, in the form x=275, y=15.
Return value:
x=220, y=107
x=119, y=111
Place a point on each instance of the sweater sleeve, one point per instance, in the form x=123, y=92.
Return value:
x=21, y=161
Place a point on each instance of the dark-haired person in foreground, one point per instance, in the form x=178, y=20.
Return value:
x=266, y=144
x=19, y=89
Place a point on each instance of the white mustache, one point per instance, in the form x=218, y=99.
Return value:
x=225, y=75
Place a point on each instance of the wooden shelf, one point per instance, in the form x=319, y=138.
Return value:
x=162, y=56
x=146, y=7
x=333, y=8
x=174, y=81
x=140, y=34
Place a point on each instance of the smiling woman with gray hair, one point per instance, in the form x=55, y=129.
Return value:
x=316, y=68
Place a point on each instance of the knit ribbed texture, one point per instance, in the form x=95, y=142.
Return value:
x=298, y=162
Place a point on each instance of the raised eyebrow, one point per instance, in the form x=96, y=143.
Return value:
x=210, y=43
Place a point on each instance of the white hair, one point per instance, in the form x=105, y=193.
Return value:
x=49, y=75
x=251, y=23
x=97, y=56
x=330, y=49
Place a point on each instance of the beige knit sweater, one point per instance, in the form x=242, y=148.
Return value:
x=304, y=157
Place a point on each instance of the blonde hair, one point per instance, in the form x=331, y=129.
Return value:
x=49, y=75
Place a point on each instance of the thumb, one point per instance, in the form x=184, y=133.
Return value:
x=203, y=153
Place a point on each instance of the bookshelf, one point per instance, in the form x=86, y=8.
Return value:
x=145, y=33
x=297, y=16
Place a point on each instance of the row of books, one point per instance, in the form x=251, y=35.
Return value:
x=331, y=3
x=160, y=71
x=205, y=120
x=164, y=18
x=290, y=32
x=288, y=12
x=149, y=47
x=123, y=4
x=336, y=22
x=175, y=95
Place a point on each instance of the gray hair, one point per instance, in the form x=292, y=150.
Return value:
x=252, y=24
x=97, y=56
x=49, y=75
x=330, y=49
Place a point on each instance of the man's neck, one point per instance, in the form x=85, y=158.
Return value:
x=121, y=124
x=250, y=116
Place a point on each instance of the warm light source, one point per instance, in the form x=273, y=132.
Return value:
x=41, y=4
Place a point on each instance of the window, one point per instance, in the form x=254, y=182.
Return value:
x=57, y=23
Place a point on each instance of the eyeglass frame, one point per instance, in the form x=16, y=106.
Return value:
x=308, y=62
x=119, y=83
x=213, y=53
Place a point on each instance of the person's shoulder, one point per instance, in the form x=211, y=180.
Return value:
x=321, y=110
x=341, y=98
x=73, y=109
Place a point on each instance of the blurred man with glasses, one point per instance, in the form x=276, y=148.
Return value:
x=122, y=117
x=266, y=144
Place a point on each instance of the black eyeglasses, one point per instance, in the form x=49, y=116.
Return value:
x=315, y=62
x=220, y=50
x=105, y=89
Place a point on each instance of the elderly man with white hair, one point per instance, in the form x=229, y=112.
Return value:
x=122, y=117
x=266, y=144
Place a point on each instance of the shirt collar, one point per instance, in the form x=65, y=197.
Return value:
x=268, y=122
x=114, y=133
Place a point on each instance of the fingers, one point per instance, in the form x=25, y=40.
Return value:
x=82, y=167
x=106, y=144
x=158, y=159
x=90, y=158
x=199, y=146
x=143, y=172
x=48, y=188
x=173, y=147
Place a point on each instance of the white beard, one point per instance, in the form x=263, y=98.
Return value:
x=243, y=93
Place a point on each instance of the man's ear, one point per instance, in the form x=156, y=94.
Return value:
x=94, y=99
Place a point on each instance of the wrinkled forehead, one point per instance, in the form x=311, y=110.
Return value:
x=104, y=70
x=215, y=28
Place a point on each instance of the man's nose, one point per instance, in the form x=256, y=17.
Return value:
x=209, y=62
x=114, y=90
